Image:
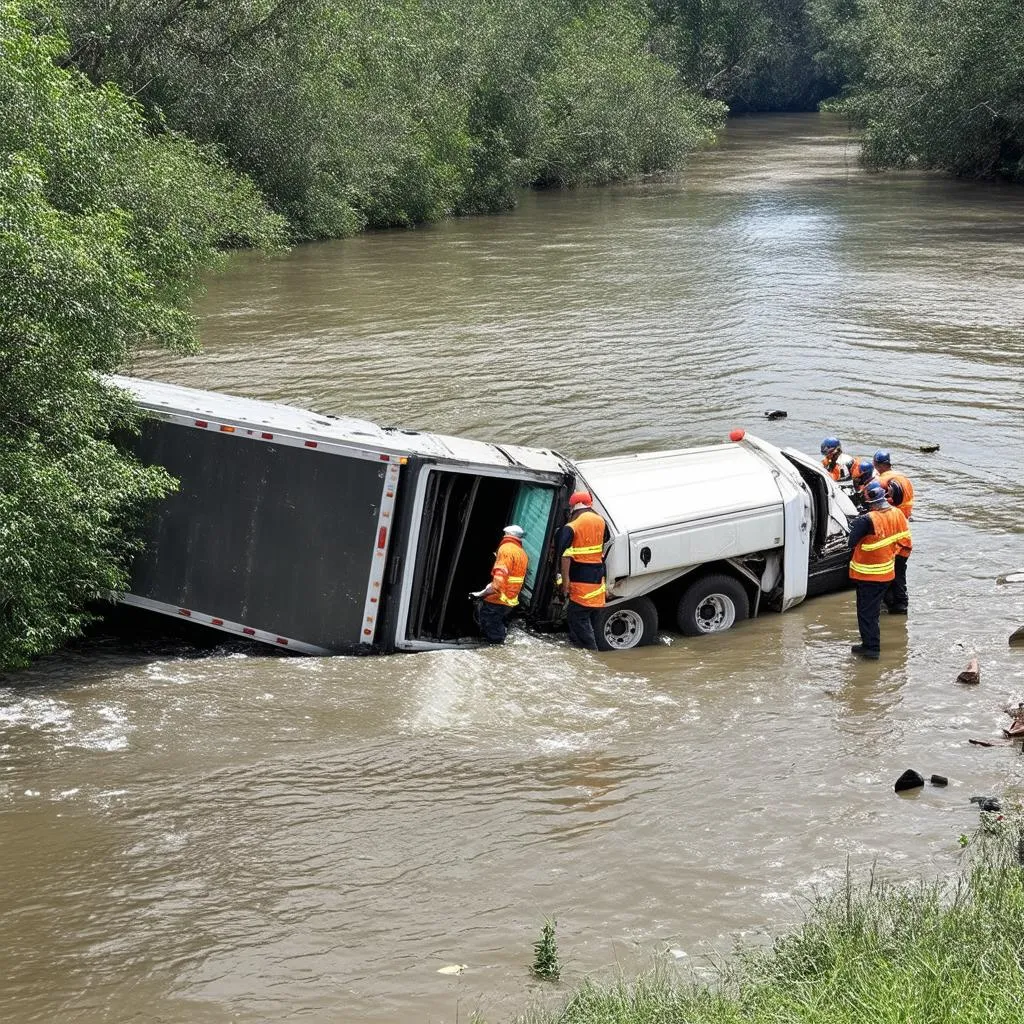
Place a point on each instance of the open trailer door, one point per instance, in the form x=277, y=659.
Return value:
x=461, y=512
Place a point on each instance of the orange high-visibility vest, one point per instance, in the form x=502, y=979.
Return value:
x=907, y=505
x=874, y=557
x=508, y=573
x=587, y=548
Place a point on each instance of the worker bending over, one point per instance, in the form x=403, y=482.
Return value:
x=874, y=540
x=581, y=542
x=836, y=464
x=501, y=595
x=900, y=492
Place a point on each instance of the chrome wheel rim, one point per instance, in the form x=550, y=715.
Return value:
x=715, y=613
x=623, y=629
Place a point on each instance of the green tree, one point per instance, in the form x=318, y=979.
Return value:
x=104, y=228
x=937, y=85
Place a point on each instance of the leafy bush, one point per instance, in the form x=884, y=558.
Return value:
x=103, y=230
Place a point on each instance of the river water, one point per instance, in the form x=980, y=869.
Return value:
x=258, y=838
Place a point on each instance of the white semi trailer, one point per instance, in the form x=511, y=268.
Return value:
x=332, y=535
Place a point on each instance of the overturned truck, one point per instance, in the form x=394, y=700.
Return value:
x=332, y=535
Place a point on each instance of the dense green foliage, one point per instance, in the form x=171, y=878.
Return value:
x=103, y=229
x=376, y=114
x=934, y=84
x=877, y=954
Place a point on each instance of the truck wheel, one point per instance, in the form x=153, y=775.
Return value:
x=712, y=604
x=627, y=625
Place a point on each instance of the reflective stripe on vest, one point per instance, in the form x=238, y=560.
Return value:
x=874, y=560
x=587, y=594
x=587, y=538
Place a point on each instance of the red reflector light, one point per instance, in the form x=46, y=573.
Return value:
x=385, y=458
x=267, y=437
x=382, y=537
x=185, y=612
x=281, y=640
x=311, y=444
x=202, y=423
x=367, y=632
x=216, y=622
x=737, y=435
x=226, y=429
x=248, y=631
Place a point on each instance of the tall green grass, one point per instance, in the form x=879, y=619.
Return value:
x=872, y=953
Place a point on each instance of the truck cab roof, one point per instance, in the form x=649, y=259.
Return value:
x=650, y=490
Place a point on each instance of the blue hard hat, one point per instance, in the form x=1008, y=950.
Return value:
x=828, y=444
x=874, y=493
x=883, y=456
x=863, y=469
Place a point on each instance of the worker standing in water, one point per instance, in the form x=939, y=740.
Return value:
x=900, y=492
x=874, y=540
x=581, y=542
x=501, y=595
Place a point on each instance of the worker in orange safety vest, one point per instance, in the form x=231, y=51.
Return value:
x=874, y=539
x=900, y=492
x=501, y=595
x=581, y=543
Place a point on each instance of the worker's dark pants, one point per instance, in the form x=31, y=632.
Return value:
x=896, y=597
x=493, y=619
x=581, y=626
x=869, y=607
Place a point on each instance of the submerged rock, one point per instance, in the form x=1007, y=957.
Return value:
x=939, y=780
x=909, y=780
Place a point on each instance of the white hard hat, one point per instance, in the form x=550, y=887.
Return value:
x=514, y=531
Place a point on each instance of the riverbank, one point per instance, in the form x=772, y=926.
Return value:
x=871, y=953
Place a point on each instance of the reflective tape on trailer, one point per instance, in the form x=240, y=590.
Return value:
x=288, y=440
x=238, y=628
x=371, y=607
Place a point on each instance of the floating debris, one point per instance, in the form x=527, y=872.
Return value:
x=928, y=448
x=1017, y=637
x=987, y=803
x=971, y=674
x=991, y=743
x=1012, y=577
x=776, y=414
x=452, y=969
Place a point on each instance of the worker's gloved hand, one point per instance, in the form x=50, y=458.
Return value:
x=474, y=594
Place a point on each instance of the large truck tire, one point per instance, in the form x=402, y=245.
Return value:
x=622, y=627
x=712, y=604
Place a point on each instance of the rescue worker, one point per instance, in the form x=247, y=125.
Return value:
x=836, y=464
x=874, y=539
x=900, y=492
x=581, y=542
x=862, y=472
x=501, y=595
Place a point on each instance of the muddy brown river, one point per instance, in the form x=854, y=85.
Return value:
x=210, y=836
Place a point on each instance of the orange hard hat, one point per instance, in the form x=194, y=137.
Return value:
x=580, y=498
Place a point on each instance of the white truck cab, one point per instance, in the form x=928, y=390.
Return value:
x=702, y=537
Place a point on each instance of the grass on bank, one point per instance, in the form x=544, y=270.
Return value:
x=877, y=953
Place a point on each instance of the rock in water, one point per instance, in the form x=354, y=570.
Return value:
x=971, y=674
x=1017, y=637
x=939, y=780
x=987, y=803
x=928, y=448
x=909, y=780
x=776, y=414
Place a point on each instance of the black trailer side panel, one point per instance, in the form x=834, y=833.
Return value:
x=276, y=537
